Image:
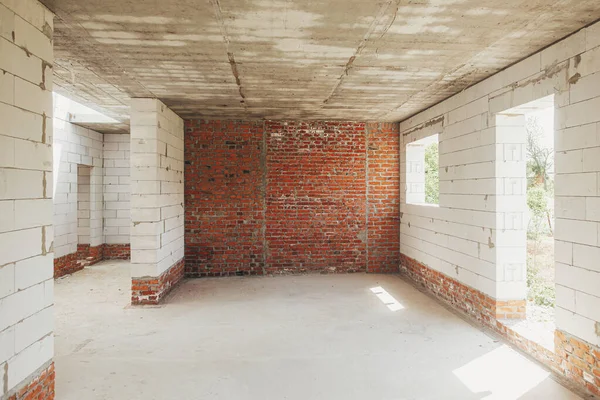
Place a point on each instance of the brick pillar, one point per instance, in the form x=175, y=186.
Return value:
x=157, y=198
x=26, y=232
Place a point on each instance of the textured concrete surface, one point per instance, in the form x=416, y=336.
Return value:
x=295, y=59
x=293, y=337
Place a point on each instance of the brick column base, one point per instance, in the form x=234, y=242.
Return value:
x=152, y=290
x=91, y=254
x=117, y=252
x=579, y=360
x=66, y=265
x=472, y=301
x=40, y=387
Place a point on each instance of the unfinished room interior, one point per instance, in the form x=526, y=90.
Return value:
x=299, y=199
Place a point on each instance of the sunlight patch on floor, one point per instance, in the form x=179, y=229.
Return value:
x=501, y=374
x=387, y=299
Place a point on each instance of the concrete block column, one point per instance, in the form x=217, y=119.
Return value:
x=26, y=232
x=157, y=200
x=415, y=173
x=510, y=237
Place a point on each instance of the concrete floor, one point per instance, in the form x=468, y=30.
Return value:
x=295, y=337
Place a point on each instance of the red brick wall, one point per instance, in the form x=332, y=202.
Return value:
x=289, y=197
x=383, y=157
x=224, y=198
x=117, y=252
x=316, y=198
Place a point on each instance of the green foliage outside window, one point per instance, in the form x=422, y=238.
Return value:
x=432, y=174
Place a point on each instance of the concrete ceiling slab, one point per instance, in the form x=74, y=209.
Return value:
x=295, y=59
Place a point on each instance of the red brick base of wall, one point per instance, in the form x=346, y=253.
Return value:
x=66, y=265
x=92, y=255
x=573, y=358
x=40, y=388
x=580, y=360
x=471, y=301
x=117, y=252
x=152, y=290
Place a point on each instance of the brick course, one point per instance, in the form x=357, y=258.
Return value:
x=117, y=252
x=224, y=198
x=572, y=357
x=316, y=197
x=66, y=265
x=383, y=197
x=152, y=290
x=40, y=388
x=580, y=361
x=290, y=197
x=91, y=254
x=471, y=301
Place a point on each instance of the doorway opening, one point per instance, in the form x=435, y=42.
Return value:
x=84, y=174
x=534, y=127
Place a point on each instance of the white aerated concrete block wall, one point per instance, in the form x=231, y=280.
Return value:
x=75, y=146
x=117, y=192
x=415, y=173
x=467, y=237
x=157, y=195
x=26, y=233
x=83, y=204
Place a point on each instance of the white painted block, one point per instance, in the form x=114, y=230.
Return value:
x=30, y=359
x=577, y=325
x=7, y=281
x=573, y=161
x=33, y=213
x=33, y=271
x=18, y=245
x=31, y=155
x=33, y=329
x=21, y=305
x=7, y=344
x=563, y=252
x=582, y=232
x=585, y=184
x=586, y=257
x=592, y=36
x=570, y=207
x=565, y=297
x=565, y=49
x=32, y=98
x=20, y=184
x=576, y=278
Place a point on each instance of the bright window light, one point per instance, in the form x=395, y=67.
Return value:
x=71, y=111
x=422, y=172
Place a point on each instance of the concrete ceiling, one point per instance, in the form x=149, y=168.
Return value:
x=295, y=59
